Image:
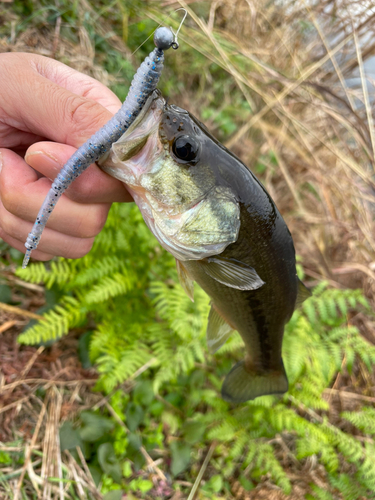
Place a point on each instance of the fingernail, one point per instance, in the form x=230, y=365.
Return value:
x=48, y=160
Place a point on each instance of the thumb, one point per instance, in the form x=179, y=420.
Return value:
x=57, y=102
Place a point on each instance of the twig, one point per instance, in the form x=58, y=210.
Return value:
x=91, y=483
x=24, y=284
x=8, y=324
x=15, y=448
x=15, y=403
x=31, y=362
x=28, y=452
x=202, y=470
x=77, y=479
x=350, y=395
x=19, y=311
x=17, y=472
x=43, y=381
x=365, y=93
x=56, y=37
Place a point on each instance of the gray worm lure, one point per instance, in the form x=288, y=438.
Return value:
x=144, y=83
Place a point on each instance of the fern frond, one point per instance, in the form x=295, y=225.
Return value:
x=106, y=266
x=111, y=286
x=364, y=420
x=267, y=463
x=56, y=322
x=60, y=272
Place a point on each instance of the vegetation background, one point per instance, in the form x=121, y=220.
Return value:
x=106, y=386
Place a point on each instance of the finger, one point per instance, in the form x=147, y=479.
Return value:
x=46, y=108
x=37, y=254
x=93, y=186
x=52, y=242
x=77, y=82
x=22, y=193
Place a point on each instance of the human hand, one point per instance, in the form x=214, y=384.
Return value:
x=42, y=99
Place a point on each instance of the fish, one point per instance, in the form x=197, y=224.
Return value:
x=215, y=217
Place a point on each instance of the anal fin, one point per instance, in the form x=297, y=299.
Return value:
x=186, y=282
x=303, y=293
x=240, y=385
x=218, y=331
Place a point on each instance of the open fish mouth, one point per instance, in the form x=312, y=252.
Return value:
x=139, y=147
x=190, y=214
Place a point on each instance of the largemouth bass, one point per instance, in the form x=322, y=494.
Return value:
x=213, y=215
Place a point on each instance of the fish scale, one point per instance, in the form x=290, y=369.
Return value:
x=226, y=234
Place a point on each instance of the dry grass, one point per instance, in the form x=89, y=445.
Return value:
x=318, y=125
x=294, y=65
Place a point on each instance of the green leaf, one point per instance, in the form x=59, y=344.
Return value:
x=215, y=483
x=113, y=495
x=133, y=453
x=5, y=458
x=108, y=461
x=193, y=431
x=96, y=473
x=84, y=349
x=94, y=426
x=145, y=485
x=246, y=484
x=144, y=393
x=156, y=408
x=69, y=437
x=180, y=457
x=5, y=294
x=134, y=416
x=127, y=469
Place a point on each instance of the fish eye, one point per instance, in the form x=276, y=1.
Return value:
x=185, y=148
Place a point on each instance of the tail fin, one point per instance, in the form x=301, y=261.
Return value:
x=240, y=386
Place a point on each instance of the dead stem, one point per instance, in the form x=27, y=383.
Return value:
x=19, y=312
x=202, y=470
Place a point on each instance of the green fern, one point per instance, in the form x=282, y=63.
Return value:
x=144, y=320
x=56, y=323
x=364, y=420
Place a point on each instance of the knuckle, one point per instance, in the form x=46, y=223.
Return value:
x=83, y=193
x=84, y=116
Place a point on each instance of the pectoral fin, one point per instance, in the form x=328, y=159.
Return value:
x=303, y=293
x=186, y=282
x=232, y=273
x=218, y=331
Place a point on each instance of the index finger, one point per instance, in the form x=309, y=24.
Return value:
x=51, y=100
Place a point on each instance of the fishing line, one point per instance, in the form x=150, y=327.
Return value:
x=175, y=41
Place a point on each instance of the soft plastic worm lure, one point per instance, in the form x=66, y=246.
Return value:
x=144, y=82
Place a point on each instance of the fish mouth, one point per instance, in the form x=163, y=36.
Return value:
x=139, y=147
